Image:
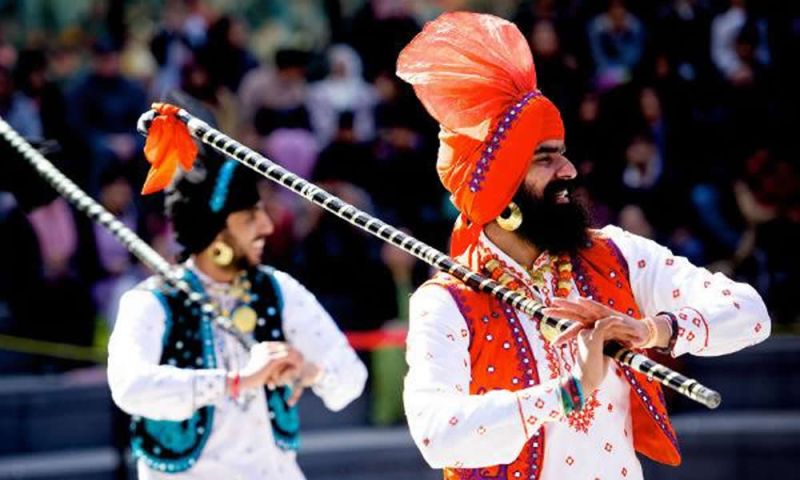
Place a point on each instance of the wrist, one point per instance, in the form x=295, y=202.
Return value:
x=671, y=326
x=233, y=384
x=663, y=325
x=314, y=374
x=586, y=385
x=245, y=382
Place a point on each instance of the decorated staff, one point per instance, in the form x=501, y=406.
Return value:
x=164, y=167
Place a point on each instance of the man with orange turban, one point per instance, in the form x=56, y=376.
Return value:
x=489, y=394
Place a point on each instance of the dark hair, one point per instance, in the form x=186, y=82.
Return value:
x=291, y=58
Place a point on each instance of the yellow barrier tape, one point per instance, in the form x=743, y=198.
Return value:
x=53, y=349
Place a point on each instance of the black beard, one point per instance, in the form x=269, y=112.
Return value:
x=554, y=227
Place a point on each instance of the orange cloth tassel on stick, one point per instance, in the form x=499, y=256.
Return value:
x=168, y=145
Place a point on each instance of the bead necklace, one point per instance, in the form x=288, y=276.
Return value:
x=562, y=265
x=563, y=278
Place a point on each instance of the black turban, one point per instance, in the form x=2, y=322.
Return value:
x=199, y=202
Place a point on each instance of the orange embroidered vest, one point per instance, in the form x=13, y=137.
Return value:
x=502, y=358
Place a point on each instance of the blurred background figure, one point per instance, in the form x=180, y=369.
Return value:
x=616, y=39
x=103, y=108
x=343, y=90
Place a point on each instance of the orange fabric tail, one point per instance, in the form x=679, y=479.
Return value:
x=168, y=145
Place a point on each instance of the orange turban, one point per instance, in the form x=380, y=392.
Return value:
x=474, y=73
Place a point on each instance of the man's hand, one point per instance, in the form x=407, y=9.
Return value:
x=596, y=324
x=309, y=374
x=267, y=361
x=592, y=365
x=277, y=364
x=627, y=330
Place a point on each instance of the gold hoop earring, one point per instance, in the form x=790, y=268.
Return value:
x=511, y=218
x=221, y=253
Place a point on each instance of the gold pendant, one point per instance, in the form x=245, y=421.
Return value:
x=244, y=318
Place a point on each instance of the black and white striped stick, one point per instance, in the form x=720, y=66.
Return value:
x=231, y=148
x=139, y=248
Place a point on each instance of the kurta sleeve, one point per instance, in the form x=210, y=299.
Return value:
x=139, y=385
x=451, y=427
x=310, y=329
x=715, y=314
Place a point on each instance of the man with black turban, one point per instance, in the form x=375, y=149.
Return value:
x=204, y=407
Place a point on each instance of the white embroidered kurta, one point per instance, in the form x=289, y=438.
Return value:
x=240, y=445
x=455, y=429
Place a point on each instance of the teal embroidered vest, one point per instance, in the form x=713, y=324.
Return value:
x=188, y=342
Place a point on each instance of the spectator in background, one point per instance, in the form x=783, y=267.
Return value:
x=380, y=30
x=725, y=30
x=115, y=264
x=104, y=108
x=287, y=139
x=17, y=109
x=776, y=239
x=652, y=120
x=282, y=87
x=342, y=265
x=586, y=139
x=402, y=153
x=346, y=159
x=171, y=47
x=562, y=16
x=616, y=40
x=647, y=181
x=31, y=79
x=225, y=55
x=634, y=220
x=683, y=76
x=644, y=165
x=68, y=314
x=746, y=96
x=682, y=37
x=198, y=82
x=529, y=13
x=21, y=281
x=557, y=73
x=343, y=90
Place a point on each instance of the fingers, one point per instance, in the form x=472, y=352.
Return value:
x=297, y=392
x=274, y=372
x=612, y=327
x=287, y=374
x=582, y=310
x=568, y=314
x=568, y=334
x=596, y=308
x=571, y=308
x=269, y=350
x=285, y=369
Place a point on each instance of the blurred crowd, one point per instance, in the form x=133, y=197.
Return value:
x=677, y=112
